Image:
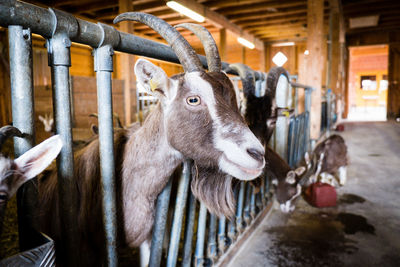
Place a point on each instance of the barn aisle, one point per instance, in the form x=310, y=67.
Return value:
x=363, y=230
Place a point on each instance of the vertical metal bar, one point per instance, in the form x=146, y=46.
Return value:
x=103, y=68
x=290, y=142
x=201, y=232
x=212, y=240
x=231, y=232
x=21, y=76
x=239, y=209
x=328, y=110
x=307, y=104
x=252, y=203
x=296, y=139
x=221, y=234
x=180, y=205
x=60, y=61
x=159, y=225
x=189, y=231
x=246, y=210
x=262, y=191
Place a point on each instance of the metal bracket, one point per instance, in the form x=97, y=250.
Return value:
x=103, y=60
x=64, y=27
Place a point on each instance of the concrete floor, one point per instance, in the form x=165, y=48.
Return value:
x=363, y=230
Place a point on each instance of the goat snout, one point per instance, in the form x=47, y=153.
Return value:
x=256, y=154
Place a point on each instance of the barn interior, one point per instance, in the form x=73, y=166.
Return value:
x=346, y=51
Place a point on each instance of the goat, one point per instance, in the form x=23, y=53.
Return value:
x=330, y=159
x=209, y=185
x=284, y=178
x=48, y=123
x=14, y=173
x=192, y=120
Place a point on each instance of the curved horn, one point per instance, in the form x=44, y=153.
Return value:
x=247, y=77
x=210, y=47
x=185, y=53
x=7, y=132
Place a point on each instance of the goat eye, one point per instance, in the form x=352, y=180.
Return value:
x=193, y=100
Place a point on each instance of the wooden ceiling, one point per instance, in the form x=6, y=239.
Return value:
x=267, y=20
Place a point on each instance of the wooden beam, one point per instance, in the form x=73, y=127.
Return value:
x=127, y=64
x=222, y=44
x=230, y=3
x=271, y=18
x=221, y=21
x=315, y=39
x=261, y=6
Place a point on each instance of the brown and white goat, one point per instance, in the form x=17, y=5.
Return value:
x=284, y=179
x=194, y=119
x=14, y=173
x=329, y=160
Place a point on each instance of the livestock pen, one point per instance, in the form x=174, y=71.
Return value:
x=193, y=229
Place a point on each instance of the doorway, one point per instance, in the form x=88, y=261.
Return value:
x=368, y=83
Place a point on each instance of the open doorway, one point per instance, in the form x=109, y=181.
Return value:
x=368, y=83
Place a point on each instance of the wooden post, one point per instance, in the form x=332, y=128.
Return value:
x=222, y=44
x=315, y=39
x=127, y=65
x=335, y=54
x=244, y=55
x=265, y=58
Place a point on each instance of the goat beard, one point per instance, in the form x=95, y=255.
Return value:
x=214, y=189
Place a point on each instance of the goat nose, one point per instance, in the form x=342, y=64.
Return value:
x=256, y=154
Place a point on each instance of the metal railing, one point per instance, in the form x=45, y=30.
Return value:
x=193, y=227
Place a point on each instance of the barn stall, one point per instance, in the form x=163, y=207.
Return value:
x=316, y=55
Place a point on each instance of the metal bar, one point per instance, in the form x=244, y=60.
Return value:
x=60, y=60
x=221, y=235
x=21, y=77
x=159, y=225
x=252, y=203
x=13, y=12
x=201, y=232
x=103, y=68
x=239, y=209
x=290, y=142
x=212, y=240
x=189, y=231
x=180, y=205
x=246, y=210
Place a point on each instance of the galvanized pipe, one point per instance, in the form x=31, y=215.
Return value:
x=40, y=20
x=239, y=209
x=103, y=58
x=159, y=225
x=212, y=240
x=58, y=47
x=252, y=203
x=201, y=232
x=21, y=77
x=180, y=205
x=221, y=234
x=246, y=210
x=189, y=230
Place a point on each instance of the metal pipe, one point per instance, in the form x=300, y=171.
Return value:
x=13, y=12
x=290, y=143
x=201, y=232
x=221, y=235
x=252, y=203
x=246, y=210
x=58, y=47
x=180, y=204
x=103, y=68
x=212, y=240
x=21, y=77
x=159, y=225
x=189, y=230
x=239, y=209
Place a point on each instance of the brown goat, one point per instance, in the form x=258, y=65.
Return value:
x=192, y=120
x=14, y=173
x=329, y=158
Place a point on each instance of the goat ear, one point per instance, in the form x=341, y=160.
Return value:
x=291, y=177
x=152, y=78
x=35, y=160
x=300, y=170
